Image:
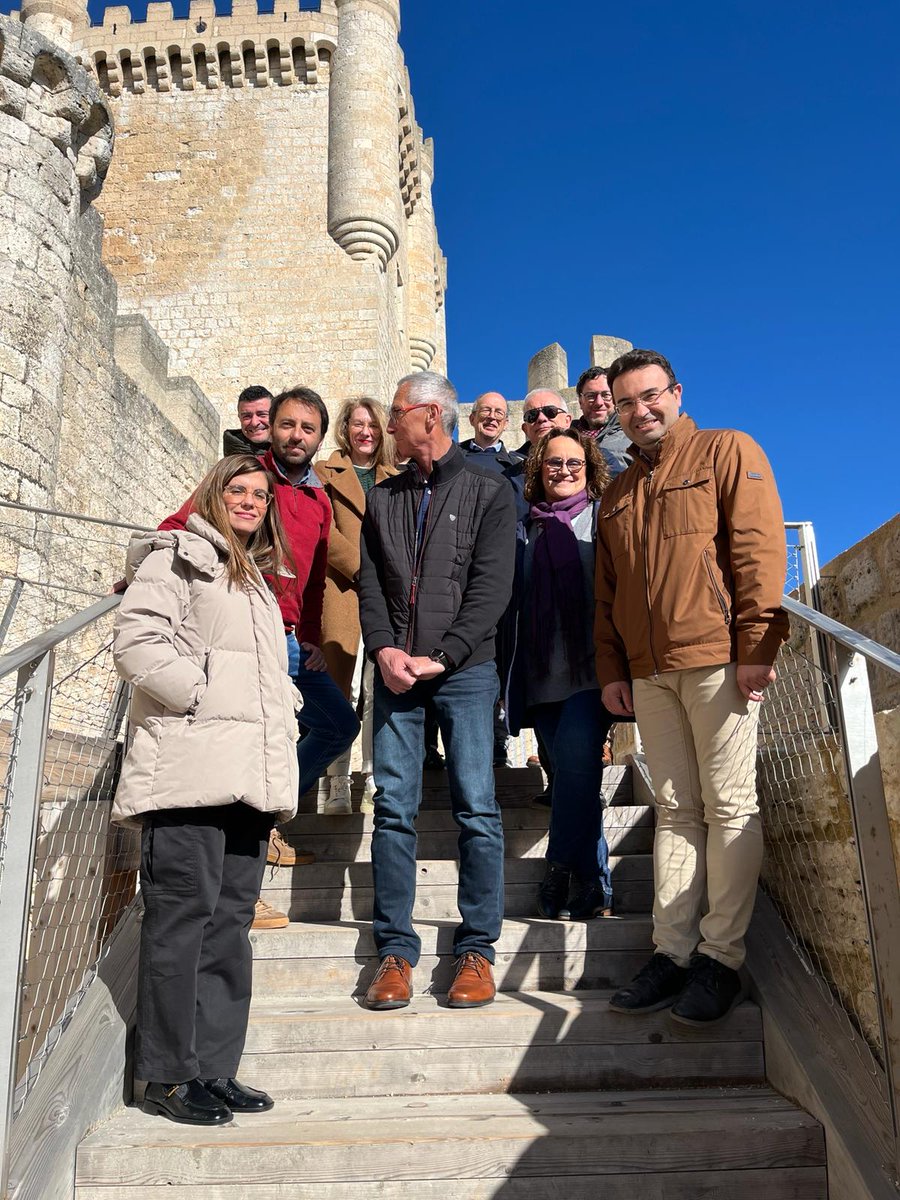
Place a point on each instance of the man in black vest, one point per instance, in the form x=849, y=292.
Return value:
x=437, y=559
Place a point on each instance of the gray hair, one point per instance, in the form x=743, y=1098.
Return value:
x=542, y=391
x=428, y=387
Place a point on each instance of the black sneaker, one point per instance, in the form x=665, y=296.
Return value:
x=589, y=901
x=655, y=986
x=554, y=890
x=711, y=992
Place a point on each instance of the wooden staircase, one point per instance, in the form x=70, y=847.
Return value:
x=544, y=1095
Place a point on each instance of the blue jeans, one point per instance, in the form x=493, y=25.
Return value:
x=328, y=725
x=464, y=704
x=573, y=731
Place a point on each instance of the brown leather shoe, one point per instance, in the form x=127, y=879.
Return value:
x=283, y=854
x=392, y=985
x=473, y=984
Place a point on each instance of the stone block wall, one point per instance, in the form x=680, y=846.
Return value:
x=269, y=206
x=80, y=435
x=861, y=588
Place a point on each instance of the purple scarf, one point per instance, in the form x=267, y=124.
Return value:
x=556, y=595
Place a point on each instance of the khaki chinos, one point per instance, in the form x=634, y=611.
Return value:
x=700, y=744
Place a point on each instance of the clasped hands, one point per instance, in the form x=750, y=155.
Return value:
x=400, y=670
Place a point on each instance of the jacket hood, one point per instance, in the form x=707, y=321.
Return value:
x=199, y=545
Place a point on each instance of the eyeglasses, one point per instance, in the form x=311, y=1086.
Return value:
x=549, y=411
x=397, y=414
x=596, y=396
x=484, y=413
x=626, y=407
x=238, y=494
x=357, y=426
x=555, y=465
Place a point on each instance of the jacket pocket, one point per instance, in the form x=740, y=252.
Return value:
x=719, y=594
x=689, y=504
x=616, y=524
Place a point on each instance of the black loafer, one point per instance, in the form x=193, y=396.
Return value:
x=239, y=1099
x=185, y=1103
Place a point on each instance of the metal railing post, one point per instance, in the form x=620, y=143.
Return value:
x=878, y=869
x=26, y=777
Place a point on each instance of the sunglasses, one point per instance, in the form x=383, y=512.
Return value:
x=549, y=411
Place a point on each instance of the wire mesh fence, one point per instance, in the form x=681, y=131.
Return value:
x=811, y=868
x=52, y=565
x=85, y=869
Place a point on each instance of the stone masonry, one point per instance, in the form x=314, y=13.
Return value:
x=268, y=208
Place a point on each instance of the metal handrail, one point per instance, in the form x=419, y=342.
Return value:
x=44, y=642
x=857, y=642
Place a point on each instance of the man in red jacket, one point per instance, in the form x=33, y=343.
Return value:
x=298, y=422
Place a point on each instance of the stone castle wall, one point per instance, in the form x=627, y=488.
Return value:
x=79, y=433
x=268, y=208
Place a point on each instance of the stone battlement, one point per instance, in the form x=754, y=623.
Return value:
x=207, y=51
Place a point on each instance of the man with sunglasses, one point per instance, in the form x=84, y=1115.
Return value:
x=690, y=574
x=542, y=410
x=436, y=571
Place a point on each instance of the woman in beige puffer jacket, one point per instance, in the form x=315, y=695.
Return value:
x=212, y=764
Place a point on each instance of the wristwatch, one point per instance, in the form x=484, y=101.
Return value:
x=439, y=656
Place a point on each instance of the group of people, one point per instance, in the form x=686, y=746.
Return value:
x=626, y=565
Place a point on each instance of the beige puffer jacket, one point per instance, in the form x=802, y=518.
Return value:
x=213, y=710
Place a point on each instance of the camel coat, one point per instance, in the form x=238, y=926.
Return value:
x=340, y=614
x=213, y=707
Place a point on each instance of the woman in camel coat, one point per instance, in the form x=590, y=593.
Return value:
x=363, y=459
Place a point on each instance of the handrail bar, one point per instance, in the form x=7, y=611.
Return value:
x=857, y=642
x=72, y=516
x=37, y=646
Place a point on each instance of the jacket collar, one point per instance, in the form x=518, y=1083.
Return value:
x=683, y=429
x=443, y=469
x=502, y=455
x=310, y=479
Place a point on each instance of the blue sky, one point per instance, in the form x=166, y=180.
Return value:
x=717, y=180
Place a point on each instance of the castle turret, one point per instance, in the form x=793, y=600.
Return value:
x=423, y=336
x=55, y=19
x=363, y=196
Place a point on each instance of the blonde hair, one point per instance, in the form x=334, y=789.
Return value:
x=267, y=550
x=384, y=452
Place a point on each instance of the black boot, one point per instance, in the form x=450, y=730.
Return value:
x=655, y=986
x=554, y=890
x=589, y=901
x=185, y=1103
x=239, y=1099
x=710, y=993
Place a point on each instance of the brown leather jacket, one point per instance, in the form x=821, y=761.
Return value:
x=691, y=558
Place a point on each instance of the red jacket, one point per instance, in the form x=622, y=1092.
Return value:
x=306, y=516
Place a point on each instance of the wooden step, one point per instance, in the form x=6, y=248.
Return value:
x=337, y=891
x=327, y=959
x=473, y=1145
x=537, y=1041
x=513, y=786
x=629, y=830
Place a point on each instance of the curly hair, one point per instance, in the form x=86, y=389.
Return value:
x=384, y=454
x=596, y=471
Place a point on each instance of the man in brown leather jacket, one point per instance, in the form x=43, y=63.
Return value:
x=690, y=574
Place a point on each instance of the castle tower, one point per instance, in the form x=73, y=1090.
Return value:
x=423, y=336
x=268, y=208
x=57, y=20
x=363, y=199
x=55, y=146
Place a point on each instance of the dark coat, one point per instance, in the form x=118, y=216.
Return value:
x=466, y=568
x=506, y=463
x=234, y=442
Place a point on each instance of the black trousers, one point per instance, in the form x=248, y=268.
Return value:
x=201, y=871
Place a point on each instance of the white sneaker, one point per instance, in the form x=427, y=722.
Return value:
x=367, y=804
x=338, y=802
